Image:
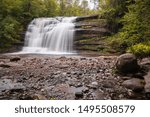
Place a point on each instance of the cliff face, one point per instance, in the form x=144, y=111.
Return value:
x=90, y=32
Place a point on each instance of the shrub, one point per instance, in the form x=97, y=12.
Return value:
x=140, y=50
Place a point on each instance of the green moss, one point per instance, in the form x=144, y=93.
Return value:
x=89, y=40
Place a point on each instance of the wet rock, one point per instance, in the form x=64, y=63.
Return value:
x=15, y=59
x=4, y=65
x=9, y=85
x=8, y=65
x=127, y=63
x=79, y=94
x=134, y=84
x=61, y=78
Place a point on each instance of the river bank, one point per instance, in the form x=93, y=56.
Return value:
x=61, y=77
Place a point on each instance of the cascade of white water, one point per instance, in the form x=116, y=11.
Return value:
x=50, y=36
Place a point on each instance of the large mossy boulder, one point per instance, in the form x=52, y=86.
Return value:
x=127, y=63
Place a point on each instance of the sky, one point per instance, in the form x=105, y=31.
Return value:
x=91, y=5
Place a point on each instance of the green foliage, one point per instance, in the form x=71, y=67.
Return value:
x=140, y=50
x=15, y=15
x=135, y=30
x=112, y=11
x=73, y=8
x=9, y=31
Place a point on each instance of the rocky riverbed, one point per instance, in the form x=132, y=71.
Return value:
x=60, y=77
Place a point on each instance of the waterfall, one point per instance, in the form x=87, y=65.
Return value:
x=50, y=36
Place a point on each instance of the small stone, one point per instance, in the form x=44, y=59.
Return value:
x=79, y=94
x=64, y=74
x=42, y=90
x=79, y=85
x=93, y=85
x=38, y=97
x=80, y=73
x=68, y=73
x=82, y=59
x=74, y=73
x=86, y=90
x=101, y=71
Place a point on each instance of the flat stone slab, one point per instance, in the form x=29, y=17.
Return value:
x=134, y=84
x=9, y=85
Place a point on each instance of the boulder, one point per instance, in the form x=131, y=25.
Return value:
x=127, y=63
x=134, y=84
x=147, y=85
x=145, y=64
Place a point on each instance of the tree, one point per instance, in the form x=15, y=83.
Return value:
x=52, y=8
x=85, y=7
x=135, y=32
x=9, y=22
x=113, y=11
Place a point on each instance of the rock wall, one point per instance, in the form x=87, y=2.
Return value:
x=90, y=31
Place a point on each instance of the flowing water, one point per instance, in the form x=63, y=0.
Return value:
x=50, y=36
